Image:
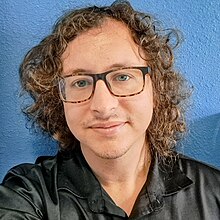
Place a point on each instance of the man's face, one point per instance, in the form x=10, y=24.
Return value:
x=107, y=126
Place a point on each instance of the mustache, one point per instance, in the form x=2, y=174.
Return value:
x=105, y=118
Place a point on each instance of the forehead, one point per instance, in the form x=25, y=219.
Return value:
x=109, y=30
x=110, y=43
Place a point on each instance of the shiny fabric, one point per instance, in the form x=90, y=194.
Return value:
x=64, y=188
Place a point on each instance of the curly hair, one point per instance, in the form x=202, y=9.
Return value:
x=42, y=65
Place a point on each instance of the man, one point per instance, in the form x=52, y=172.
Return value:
x=104, y=86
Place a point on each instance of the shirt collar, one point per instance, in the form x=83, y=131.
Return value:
x=75, y=175
x=164, y=179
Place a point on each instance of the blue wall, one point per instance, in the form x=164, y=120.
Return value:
x=24, y=23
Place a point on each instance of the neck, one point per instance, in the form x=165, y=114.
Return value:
x=125, y=174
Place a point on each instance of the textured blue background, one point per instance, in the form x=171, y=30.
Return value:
x=24, y=23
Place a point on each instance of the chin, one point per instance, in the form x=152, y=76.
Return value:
x=112, y=154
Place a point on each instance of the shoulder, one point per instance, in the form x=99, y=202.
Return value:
x=202, y=174
x=32, y=170
x=27, y=188
x=190, y=164
x=38, y=176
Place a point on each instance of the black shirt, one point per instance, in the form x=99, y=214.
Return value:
x=64, y=187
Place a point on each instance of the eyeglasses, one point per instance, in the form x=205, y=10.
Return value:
x=121, y=82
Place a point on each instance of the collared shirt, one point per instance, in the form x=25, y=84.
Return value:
x=64, y=187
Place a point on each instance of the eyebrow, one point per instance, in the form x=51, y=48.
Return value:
x=80, y=70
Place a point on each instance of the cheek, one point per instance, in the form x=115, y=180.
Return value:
x=73, y=116
x=149, y=94
x=144, y=101
x=144, y=105
x=139, y=109
x=140, y=106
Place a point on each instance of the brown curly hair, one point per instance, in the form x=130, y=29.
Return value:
x=42, y=65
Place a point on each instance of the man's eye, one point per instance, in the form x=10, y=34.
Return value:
x=81, y=84
x=123, y=77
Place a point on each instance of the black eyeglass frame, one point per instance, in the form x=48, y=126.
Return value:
x=102, y=76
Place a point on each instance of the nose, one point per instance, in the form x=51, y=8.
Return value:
x=103, y=103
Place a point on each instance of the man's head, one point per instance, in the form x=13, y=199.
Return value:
x=80, y=41
x=115, y=118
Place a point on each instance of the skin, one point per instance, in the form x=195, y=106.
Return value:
x=111, y=130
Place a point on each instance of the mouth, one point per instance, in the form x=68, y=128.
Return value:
x=108, y=129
